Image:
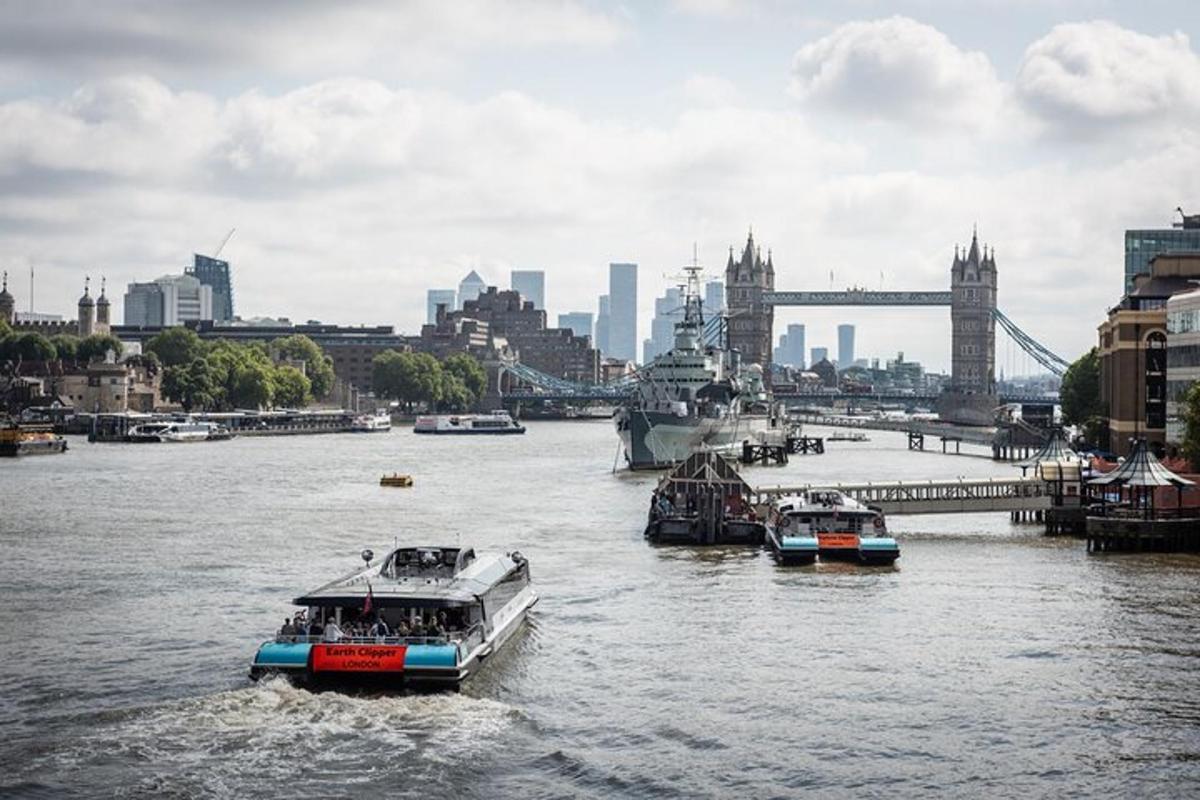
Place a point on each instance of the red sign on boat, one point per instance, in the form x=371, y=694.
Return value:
x=358, y=658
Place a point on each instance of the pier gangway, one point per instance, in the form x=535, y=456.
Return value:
x=958, y=496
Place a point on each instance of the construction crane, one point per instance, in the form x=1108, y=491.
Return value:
x=224, y=242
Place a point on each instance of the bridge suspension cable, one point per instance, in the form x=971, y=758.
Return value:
x=1037, y=351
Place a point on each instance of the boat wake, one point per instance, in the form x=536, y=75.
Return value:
x=271, y=733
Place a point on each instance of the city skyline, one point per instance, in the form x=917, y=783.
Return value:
x=346, y=166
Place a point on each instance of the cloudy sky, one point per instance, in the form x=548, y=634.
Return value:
x=368, y=151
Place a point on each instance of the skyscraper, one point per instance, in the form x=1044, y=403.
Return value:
x=668, y=310
x=470, y=287
x=714, y=298
x=794, y=352
x=845, y=346
x=623, y=311
x=144, y=304
x=578, y=322
x=531, y=284
x=603, y=318
x=436, y=297
x=214, y=273
x=818, y=354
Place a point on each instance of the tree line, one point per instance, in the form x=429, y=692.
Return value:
x=456, y=383
x=223, y=375
x=18, y=347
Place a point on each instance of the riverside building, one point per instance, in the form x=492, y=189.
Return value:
x=1133, y=353
x=1183, y=357
x=1141, y=246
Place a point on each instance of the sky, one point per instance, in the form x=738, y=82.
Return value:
x=366, y=152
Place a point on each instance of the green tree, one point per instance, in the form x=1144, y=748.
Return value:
x=292, y=387
x=1191, y=422
x=193, y=385
x=97, y=346
x=453, y=394
x=392, y=375
x=1080, y=390
x=176, y=346
x=467, y=369
x=66, y=346
x=317, y=366
x=5, y=329
x=250, y=386
x=31, y=347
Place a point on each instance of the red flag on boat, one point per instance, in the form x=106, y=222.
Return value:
x=369, y=603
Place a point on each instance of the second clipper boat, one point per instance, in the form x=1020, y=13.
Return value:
x=695, y=397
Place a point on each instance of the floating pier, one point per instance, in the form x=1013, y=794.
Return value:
x=703, y=501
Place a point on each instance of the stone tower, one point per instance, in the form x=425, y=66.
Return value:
x=87, y=308
x=102, y=310
x=971, y=395
x=751, y=320
x=8, y=306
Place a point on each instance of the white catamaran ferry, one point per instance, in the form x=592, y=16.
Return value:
x=378, y=422
x=827, y=523
x=177, y=431
x=421, y=617
x=496, y=423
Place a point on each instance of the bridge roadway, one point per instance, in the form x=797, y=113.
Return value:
x=935, y=497
x=858, y=297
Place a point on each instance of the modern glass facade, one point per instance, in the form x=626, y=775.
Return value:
x=845, y=346
x=623, y=311
x=436, y=297
x=1141, y=246
x=578, y=322
x=214, y=273
x=531, y=284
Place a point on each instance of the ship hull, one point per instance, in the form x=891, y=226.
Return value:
x=659, y=440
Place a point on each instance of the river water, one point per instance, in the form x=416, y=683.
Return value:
x=138, y=581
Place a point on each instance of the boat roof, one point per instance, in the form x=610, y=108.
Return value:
x=418, y=576
x=820, y=501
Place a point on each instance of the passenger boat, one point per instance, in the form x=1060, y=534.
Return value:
x=827, y=523
x=372, y=423
x=496, y=423
x=396, y=479
x=29, y=440
x=447, y=611
x=178, y=431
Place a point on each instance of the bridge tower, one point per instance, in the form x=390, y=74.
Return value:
x=751, y=318
x=971, y=396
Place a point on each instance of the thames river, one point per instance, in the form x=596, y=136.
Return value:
x=138, y=581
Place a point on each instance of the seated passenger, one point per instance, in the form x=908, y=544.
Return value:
x=288, y=631
x=402, y=629
x=418, y=627
x=316, y=629
x=435, y=628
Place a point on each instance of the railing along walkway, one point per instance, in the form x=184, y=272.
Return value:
x=981, y=436
x=934, y=497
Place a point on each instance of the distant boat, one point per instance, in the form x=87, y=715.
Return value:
x=29, y=440
x=378, y=422
x=847, y=437
x=178, y=431
x=497, y=423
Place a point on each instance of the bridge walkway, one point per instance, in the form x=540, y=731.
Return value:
x=966, y=434
x=957, y=496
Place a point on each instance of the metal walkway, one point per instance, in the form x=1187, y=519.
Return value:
x=935, y=497
x=962, y=433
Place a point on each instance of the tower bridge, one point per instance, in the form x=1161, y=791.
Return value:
x=751, y=299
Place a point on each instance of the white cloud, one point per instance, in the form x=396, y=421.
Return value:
x=1093, y=75
x=81, y=38
x=710, y=90
x=897, y=69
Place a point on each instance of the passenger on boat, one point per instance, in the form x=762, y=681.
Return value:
x=402, y=629
x=288, y=631
x=333, y=631
x=316, y=629
x=418, y=628
x=435, y=627
x=380, y=628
